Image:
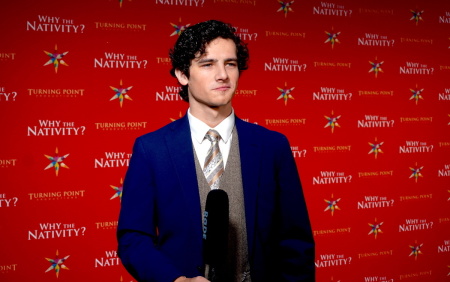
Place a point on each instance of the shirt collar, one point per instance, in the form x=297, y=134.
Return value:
x=199, y=128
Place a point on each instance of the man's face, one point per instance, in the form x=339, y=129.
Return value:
x=213, y=77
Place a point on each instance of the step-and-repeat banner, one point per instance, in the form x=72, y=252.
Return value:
x=361, y=89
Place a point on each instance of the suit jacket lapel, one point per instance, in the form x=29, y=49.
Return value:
x=250, y=153
x=181, y=152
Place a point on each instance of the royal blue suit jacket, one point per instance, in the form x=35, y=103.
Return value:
x=160, y=222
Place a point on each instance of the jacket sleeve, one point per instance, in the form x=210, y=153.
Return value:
x=137, y=229
x=296, y=242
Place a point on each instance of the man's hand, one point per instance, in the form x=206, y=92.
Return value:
x=195, y=279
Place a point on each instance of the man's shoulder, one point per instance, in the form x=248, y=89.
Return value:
x=160, y=133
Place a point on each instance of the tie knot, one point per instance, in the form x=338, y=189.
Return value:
x=212, y=135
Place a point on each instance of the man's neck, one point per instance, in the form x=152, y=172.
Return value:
x=211, y=116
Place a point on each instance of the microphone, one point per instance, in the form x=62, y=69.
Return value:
x=215, y=234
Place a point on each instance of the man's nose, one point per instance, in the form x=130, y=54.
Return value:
x=222, y=73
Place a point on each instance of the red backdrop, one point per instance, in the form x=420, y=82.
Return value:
x=361, y=89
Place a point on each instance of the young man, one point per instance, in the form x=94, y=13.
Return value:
x=165, y=189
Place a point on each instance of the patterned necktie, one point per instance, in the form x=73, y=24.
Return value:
x=213, y=168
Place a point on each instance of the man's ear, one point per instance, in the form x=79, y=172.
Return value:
x=182, y=78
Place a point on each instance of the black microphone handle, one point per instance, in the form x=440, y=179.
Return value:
x=215, y=233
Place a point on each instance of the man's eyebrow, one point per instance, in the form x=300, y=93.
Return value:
x=234, y=59
x=206, y=60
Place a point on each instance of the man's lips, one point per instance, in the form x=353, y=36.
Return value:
x=222, y=88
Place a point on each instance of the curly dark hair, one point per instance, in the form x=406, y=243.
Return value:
x=192, y=42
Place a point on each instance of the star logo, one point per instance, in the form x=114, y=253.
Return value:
x=332, y=38
x=57, y=264
x=375, y=228
x=285, y=94
x=376, y=148
x=332, y=121
x=178, y=28
x=416, y=94
x=285, y=7
x=121, y=93
x=416, y=16
x=376, y=67
x=56, y=161
x=179, y=116
x=56, y=58
x=416, y=172
x=332, y=205
x=118, y=190
x=415, y=250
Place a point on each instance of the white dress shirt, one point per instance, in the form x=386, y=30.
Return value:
x=201, y=144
